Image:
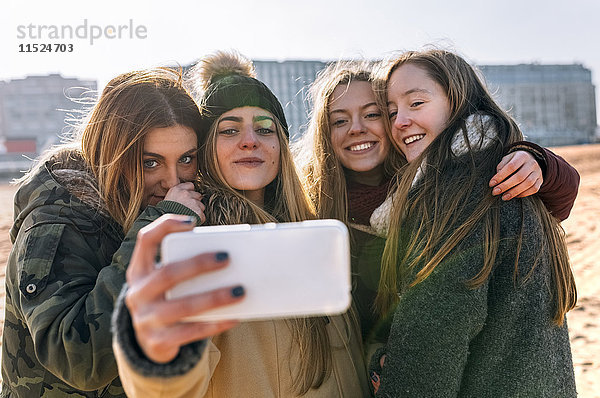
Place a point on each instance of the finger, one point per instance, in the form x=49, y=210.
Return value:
x=194, y=194
x=202, y=216
x=375, y=382
x=515, y=179
x=156, y=283
x=163, y=346
x=505, y=159
x=504, y=169
x=531, y=191
x=168, y=312
x=148, y=239
x=520, y=187
x=187, y=186
x=516, y=184
x=533, y=167
x=524, y=161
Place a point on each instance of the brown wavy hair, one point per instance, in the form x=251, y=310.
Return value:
x=112, y=138
x=439, y=231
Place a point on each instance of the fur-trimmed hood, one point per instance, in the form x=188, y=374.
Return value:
x=226, y=208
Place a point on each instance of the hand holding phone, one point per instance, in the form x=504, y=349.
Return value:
x=157, y=323
x=287, y=269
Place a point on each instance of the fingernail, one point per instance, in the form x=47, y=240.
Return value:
x=496, y=191
x=237, y=291
x=188, y=220
x=506, y=196
x=493, y=182
x=221, y=256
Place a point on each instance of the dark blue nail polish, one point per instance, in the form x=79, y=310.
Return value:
x=221, y=256
x=189, y=220
x=374, y=377
x=237, y=291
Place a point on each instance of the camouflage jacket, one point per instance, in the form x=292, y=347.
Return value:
x=61, y=284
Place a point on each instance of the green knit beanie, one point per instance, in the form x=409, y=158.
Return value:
x=227, y=81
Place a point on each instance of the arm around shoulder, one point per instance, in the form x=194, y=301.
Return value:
x=561, y=180
x=561, y=185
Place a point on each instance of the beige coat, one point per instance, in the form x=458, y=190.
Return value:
x=255, y=360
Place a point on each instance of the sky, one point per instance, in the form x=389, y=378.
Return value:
x=180, y=32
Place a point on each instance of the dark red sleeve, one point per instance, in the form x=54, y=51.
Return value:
x=561, y=180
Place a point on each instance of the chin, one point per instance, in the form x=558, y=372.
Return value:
x=409, y=156
x=364, y=168
x=247, y=185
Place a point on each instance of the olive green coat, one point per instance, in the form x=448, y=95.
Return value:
x=61, y=284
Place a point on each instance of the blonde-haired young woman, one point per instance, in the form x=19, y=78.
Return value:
x=246, y=176
x=136, y=152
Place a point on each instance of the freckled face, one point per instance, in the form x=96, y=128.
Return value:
x=357, y=131
x=170, y=157
x=248, y=149
x=418, y=108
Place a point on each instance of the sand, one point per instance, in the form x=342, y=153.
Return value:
x=583, y=236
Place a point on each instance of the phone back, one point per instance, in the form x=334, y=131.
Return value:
x=287, y=270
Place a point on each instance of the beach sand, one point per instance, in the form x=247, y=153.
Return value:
x=583, y=236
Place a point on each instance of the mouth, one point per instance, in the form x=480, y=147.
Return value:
x=362, y=146
x=413, y=138
x=249, y=162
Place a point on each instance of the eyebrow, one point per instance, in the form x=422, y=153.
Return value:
x=261, y=118
x=231, y=119
x=159, y=156
x=417, y=90
x=362, y=107
x=239, y=119
x=412, y=90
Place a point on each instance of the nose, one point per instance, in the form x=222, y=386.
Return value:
x=248, y=138
x=401, y=121
x=357, y=126
x=170, y=178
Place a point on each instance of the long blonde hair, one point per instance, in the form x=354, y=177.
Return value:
x=439, y=231
x=285, y=201
x=322, y=173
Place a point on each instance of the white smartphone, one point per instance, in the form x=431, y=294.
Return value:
x=287, y=269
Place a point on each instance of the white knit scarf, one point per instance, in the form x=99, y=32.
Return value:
x=481, y=132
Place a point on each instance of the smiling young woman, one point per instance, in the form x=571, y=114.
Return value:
x=479, y=286
x=417, y=108
x=358, y=135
